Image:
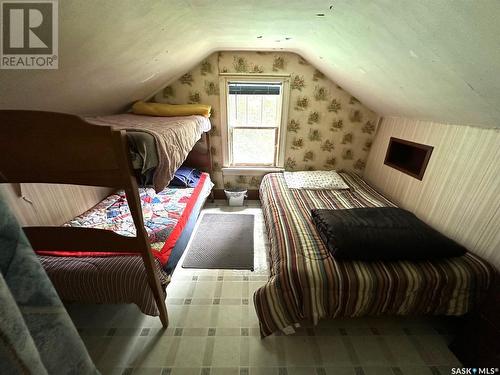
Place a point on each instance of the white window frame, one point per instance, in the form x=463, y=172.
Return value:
x=224, y=79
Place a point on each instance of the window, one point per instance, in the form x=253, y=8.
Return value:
x=254, y=109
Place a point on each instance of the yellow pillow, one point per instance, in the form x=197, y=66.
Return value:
x=170, y=110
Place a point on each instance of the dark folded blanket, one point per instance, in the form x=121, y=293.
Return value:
x=381, y=233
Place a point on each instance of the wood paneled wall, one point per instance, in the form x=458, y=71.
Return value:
x=460, y=192
x=48, y=204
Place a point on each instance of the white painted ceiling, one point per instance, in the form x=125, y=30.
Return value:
x=425, y=59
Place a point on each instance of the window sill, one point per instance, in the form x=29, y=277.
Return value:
x=250, y=171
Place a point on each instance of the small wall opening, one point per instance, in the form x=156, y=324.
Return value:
x=408, y=157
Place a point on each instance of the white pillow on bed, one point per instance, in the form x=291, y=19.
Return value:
x=315, y=180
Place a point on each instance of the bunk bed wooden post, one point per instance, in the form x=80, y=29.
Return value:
x=47, y=147
x=202, y=159
x=210, y=163
x=134, y=203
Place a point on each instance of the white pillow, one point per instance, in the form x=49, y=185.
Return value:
x=315, y=180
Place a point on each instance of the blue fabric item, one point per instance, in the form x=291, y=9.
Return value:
x=36, y=334
x=186, y=177
x=18, y=352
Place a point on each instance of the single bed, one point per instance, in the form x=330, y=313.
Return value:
x=102, y=277
x=307, y=284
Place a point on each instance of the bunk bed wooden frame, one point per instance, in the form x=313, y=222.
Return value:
x=48, y=147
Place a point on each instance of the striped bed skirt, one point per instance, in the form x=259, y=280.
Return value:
x=119, y=279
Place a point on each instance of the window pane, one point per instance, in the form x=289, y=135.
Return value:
x=254, y=110
x=231, y=110
x=240, y=110
x=270, y=110
x=253, y=146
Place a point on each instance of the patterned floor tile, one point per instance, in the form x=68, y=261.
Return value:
x=225, y=371
x=214, y=330
x=226, y=352
x=147, y=371
x=190, y=352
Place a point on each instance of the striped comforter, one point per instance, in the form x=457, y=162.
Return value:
x=307, y=284
x=119, y=279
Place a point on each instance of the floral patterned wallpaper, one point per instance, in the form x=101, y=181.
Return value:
x=327, y=127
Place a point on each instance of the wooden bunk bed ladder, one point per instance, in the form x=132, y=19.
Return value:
x=47, y=147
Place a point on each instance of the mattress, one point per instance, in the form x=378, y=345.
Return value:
x=307, y=284
x=108, y=278
x=158, y=145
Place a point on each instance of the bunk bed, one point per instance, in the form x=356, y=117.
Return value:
x=99, y=265
x=308, y=284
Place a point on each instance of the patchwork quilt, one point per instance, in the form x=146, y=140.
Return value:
x=164, y=216
x=161, y=213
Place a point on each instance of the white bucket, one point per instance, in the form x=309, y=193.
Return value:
x=236, y=197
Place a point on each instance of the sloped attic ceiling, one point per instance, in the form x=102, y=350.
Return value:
x=436, y=60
